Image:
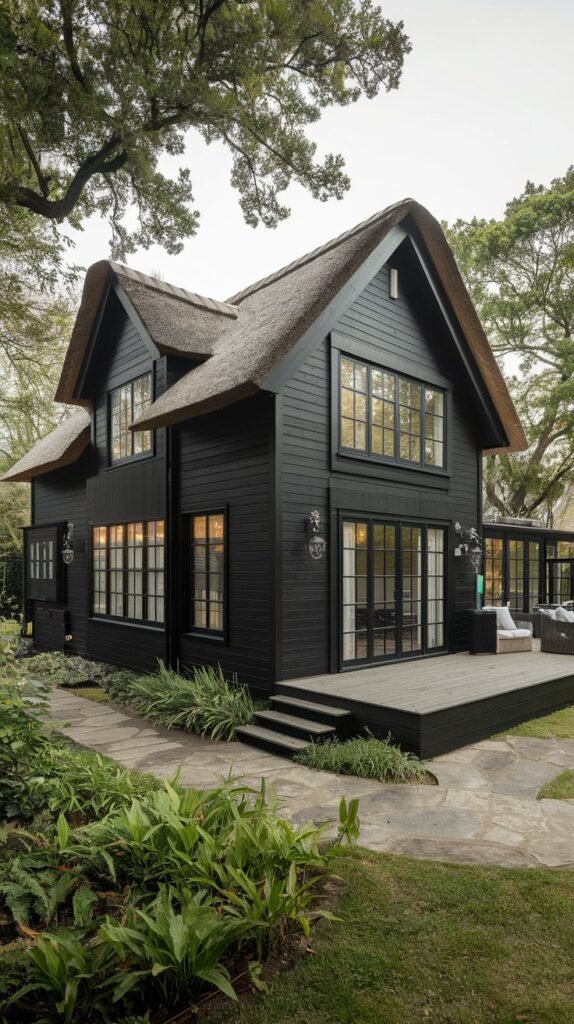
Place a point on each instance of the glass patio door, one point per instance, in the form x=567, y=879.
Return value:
x=560, y=580
x=393, y=590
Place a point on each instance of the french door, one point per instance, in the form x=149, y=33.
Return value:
x=393, y=590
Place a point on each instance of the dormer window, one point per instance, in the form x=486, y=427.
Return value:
x=127, y=403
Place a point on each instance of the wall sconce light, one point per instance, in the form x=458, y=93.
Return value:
x=469, y=542
x=67, y=544
x=316, y=545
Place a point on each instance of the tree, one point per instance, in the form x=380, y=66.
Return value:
x=34, y=332
x=520, y=274
x=92, y=92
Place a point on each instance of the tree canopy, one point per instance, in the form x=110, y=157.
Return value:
x=520, y=273
x=92, y=92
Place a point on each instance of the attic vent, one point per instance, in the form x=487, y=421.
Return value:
x=394, y=284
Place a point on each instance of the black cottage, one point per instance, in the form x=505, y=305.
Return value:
x=276, y=483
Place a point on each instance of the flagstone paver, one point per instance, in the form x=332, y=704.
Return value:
x=483, y=811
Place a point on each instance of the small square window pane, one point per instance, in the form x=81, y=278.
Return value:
x=347, y=433
x=360, y=436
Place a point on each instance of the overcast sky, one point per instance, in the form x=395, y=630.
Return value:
x=485, y=103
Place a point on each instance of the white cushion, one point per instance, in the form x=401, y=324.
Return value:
x=521, y=633
x=505, y=634
x=550, y=612
x=503, y=616
x=563, y=615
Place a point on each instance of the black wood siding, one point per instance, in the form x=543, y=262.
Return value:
x=225, y=460
x=58, y=497
x=408, y=335
x=92, y=493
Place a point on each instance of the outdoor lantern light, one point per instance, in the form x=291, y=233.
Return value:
x=316, y=545
x=67, y=545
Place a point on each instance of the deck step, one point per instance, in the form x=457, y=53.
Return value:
x=305, y=728
x=308, y=709
x=268, y=739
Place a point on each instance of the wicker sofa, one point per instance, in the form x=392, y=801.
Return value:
x=556, y=634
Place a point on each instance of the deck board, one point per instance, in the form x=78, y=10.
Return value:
x=439, y=703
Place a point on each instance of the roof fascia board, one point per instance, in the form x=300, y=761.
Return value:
x=94, y=334
x=319, y=329
x=135, y=318
x=469, y=365
x=114, y=286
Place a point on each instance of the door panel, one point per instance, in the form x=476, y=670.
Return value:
x=393, y=590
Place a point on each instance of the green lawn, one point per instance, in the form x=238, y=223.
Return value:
x=560, y=788
x=90, y=693
x=422, y=941
x=559, y=725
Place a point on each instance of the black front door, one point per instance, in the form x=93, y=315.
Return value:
x=392, y=588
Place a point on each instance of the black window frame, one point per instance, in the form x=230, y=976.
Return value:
x=506, y=539
x=134, y=456
x=189, y=626
x=367, y=454
x=44, y=588
x=125, y=570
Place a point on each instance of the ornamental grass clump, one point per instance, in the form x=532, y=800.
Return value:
x=205, y=702
x=365, y=757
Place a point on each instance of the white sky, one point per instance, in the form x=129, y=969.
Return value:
x=485, y=103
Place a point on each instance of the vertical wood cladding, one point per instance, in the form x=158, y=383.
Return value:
x=225, y=460
x=408, y=335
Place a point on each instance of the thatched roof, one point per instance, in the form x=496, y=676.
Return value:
x=274, y=313
x=60, y=448
x=178, y=322
x=236, y=345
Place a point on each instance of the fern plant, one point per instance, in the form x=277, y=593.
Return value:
x=34, y=894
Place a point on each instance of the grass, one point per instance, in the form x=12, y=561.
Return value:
x=90, y=693
x=558, y=725
x=427, y=942
x=560, y=788
x=365, y=757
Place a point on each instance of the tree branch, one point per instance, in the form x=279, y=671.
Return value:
x=57, y=209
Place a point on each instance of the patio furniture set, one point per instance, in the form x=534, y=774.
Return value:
x=502, y=630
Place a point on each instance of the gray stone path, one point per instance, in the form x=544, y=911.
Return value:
x=483, y=811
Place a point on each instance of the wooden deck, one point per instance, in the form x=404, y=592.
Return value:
x=436, y=704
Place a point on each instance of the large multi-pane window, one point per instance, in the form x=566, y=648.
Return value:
x=493, y=570
x=127, y=403
x=128, y=571
x=512, y=572
x=393, y=590
x=386, y=416
x=207, y=546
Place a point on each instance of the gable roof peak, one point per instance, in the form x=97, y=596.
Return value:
x=395, y=208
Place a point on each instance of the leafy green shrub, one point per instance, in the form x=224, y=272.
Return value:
x=67, y=669
x=74, y=782
x=206, y=702
x=366, y=757
x=157, y=901
x=167, y=950
x=22, y=704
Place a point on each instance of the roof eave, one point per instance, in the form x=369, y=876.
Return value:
x=71, y=455
x=152, y=420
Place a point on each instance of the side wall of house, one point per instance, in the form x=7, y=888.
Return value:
x=225, y=461
x=93, y=493
x=409, y=336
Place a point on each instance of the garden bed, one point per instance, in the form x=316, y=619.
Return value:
x=117, y=889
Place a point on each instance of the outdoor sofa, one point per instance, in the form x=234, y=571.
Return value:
x=557, y=631
x=510, y=638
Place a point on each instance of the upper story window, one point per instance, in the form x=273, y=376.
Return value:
x=386, y=416
x=127, y=403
